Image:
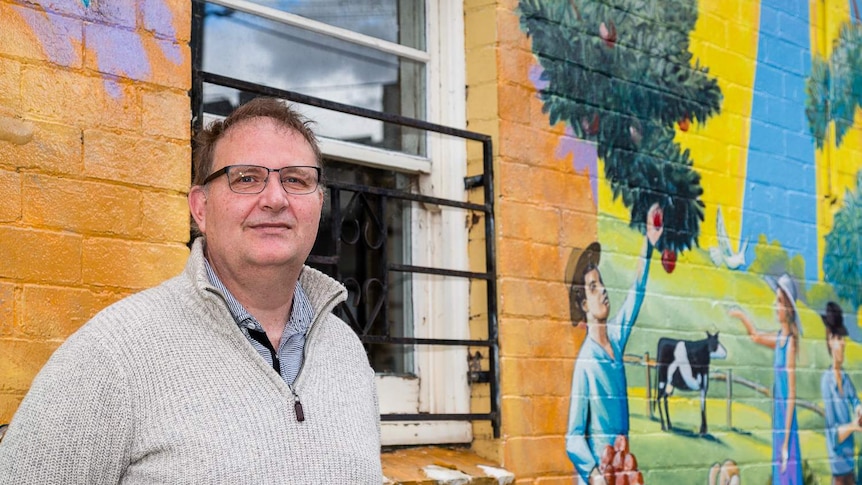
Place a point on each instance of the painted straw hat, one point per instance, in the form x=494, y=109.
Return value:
x=788, y=286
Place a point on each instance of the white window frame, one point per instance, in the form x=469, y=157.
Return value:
x=440, y=304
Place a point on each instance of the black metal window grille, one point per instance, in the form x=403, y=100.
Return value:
x=365, y=217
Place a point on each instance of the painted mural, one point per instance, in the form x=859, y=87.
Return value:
x=722, y=137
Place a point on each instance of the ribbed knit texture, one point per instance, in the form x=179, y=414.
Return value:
x=163, y=387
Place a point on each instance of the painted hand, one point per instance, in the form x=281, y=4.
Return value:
x=785, y=455
x=654, y=223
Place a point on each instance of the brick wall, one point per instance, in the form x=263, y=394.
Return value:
x=94, y=166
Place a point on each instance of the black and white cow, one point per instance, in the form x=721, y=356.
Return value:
x=684, y=364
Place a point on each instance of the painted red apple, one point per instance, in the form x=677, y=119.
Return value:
x=668, y=260
x=657, y=219
x=684, y=123
x=590, y=127
x=608, y=33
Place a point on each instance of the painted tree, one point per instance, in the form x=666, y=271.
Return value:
x=619, y=73
x=834, y=90
x=842, y=262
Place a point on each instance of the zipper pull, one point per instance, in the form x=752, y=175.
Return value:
x=297, y=408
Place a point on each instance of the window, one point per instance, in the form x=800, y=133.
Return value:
x=378, y=55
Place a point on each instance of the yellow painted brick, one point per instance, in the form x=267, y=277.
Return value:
x=136, y=160
x=10, y=86
x=32, y=33
x=22, y=360
x=54, y=313
x=81, y=206
x=534, y=456
x=54, y=148
x=7, y=309
x=166, y=113
x=480, y=26
x=10, y=193
x=77, y=99
x=535, y=376
x=134, y=265
x=42, y=256
x=528, y=222
x=481, y=66
x=165, y=217
x=482, y=97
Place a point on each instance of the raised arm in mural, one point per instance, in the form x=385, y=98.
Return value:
x=841, y=403
x=786, y=462
x=599, y=412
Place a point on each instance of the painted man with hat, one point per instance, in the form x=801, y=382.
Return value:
x=840, y=401
x=786, y=459
x=598, y=410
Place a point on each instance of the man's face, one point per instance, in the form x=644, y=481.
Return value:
x=272, y=228
x=596, y=304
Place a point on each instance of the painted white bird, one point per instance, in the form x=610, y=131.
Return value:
x=724, y=254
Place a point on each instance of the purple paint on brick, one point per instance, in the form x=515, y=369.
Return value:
x=158, y=18
x=60, y=37
x=585, y=158
x=120, y=52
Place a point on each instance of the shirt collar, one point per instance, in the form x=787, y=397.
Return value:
x=301, y=312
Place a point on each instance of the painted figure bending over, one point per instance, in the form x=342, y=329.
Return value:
x=842, y=405
x=599, y=401
x=786, y=460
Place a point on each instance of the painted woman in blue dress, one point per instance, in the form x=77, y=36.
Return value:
x=786, y=459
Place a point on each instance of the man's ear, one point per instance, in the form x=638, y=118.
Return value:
x=584, y=307
x=197, y=206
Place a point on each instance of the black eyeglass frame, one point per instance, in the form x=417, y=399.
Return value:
x=224, y=170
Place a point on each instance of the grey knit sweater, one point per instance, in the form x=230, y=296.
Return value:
x=162, y=387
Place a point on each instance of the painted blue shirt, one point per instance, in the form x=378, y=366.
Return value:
x=840, y=409
x=599, y=409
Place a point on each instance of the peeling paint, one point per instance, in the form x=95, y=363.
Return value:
x=504, y=477
x=16, y=131
x=447, y=476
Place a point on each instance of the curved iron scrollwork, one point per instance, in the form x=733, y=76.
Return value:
x=364, y=305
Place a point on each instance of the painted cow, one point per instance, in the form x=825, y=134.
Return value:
x=684, y=364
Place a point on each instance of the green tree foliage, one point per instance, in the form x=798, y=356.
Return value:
x=619, y=73
x=834, y=87
x=842, y=261
x=770, y=258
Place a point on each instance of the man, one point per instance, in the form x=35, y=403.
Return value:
x=842, y=405
x=233, y=372
x=598, y=410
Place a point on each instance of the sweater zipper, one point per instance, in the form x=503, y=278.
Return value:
x=297, y=405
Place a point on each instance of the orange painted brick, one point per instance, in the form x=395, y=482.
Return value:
x=530, y=298
x=535, y=376
x=534, y=456
x=54, y=148
x=514, y=65
x=35, y=34
x=54, y=313
x=22, y=360
x=550, y=414
x=81, y=206
x=44, y=256
x=135, y=160
x=510, y=36
x=170, y=62
x=165, y=217
x=7, y=309
x=561, y=480
x=514, y=103
x=579, y=229
x=77, y=99
x=9, y=402
x=517, y=414
x=528, y=221
x=10, y=192
x=126, y=264
x=10, y=85
x=166, y=113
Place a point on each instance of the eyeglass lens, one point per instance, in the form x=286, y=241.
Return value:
x=251, y=179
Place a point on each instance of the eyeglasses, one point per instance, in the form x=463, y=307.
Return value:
x=251, y=179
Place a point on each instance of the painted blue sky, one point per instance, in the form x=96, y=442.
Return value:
x=780, y=190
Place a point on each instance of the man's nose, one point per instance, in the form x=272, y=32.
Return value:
x=274, y=195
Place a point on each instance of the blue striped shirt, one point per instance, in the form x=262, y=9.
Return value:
x=292, y=343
